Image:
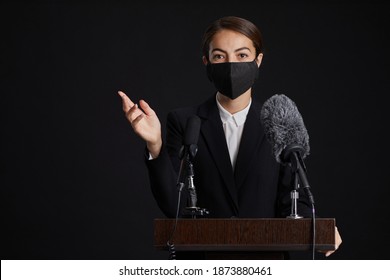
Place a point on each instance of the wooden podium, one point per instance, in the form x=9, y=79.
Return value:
x=244, y=238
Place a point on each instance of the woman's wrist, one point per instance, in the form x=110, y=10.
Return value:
x=154, y=148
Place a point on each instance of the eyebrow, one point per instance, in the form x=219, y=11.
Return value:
x=237, y=50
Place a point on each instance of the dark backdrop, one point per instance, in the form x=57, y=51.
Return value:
x=73, y=180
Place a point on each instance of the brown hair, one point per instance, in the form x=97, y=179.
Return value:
x=236, y=24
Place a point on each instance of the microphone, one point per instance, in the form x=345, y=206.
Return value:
x=191, y=137
x=189, y=147
x=192, y=130
x=283, y=126
x=285, y=130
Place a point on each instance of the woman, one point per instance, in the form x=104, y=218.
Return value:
x=235, y=173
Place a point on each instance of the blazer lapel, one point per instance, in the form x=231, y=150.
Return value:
x=252, y=136
x=214, y=136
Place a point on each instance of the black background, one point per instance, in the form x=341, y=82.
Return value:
x=73, y=180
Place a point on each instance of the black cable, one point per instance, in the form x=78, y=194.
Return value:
x=172, y=251
x=314, y=231
x=170, y=244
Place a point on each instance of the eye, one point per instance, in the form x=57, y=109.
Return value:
x=243, y=55
x=218, y=56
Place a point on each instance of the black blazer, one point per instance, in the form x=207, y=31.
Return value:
x=259, y=187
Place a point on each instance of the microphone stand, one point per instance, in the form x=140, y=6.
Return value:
x=294, y=199
x=192, y=209
x=292, y=154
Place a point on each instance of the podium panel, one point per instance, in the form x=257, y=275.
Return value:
x=245, y=236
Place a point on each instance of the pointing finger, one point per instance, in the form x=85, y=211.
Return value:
x=126, y=101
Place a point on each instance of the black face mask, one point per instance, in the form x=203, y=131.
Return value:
x=233, y=79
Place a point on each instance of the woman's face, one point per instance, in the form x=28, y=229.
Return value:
x=231, y=46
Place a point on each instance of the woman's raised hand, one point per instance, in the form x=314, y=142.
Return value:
x=145, y=123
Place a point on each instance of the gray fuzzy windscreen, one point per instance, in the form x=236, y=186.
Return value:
x=283, y=125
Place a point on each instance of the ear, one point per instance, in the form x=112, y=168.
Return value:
x=259, y=59
x=205, y=61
